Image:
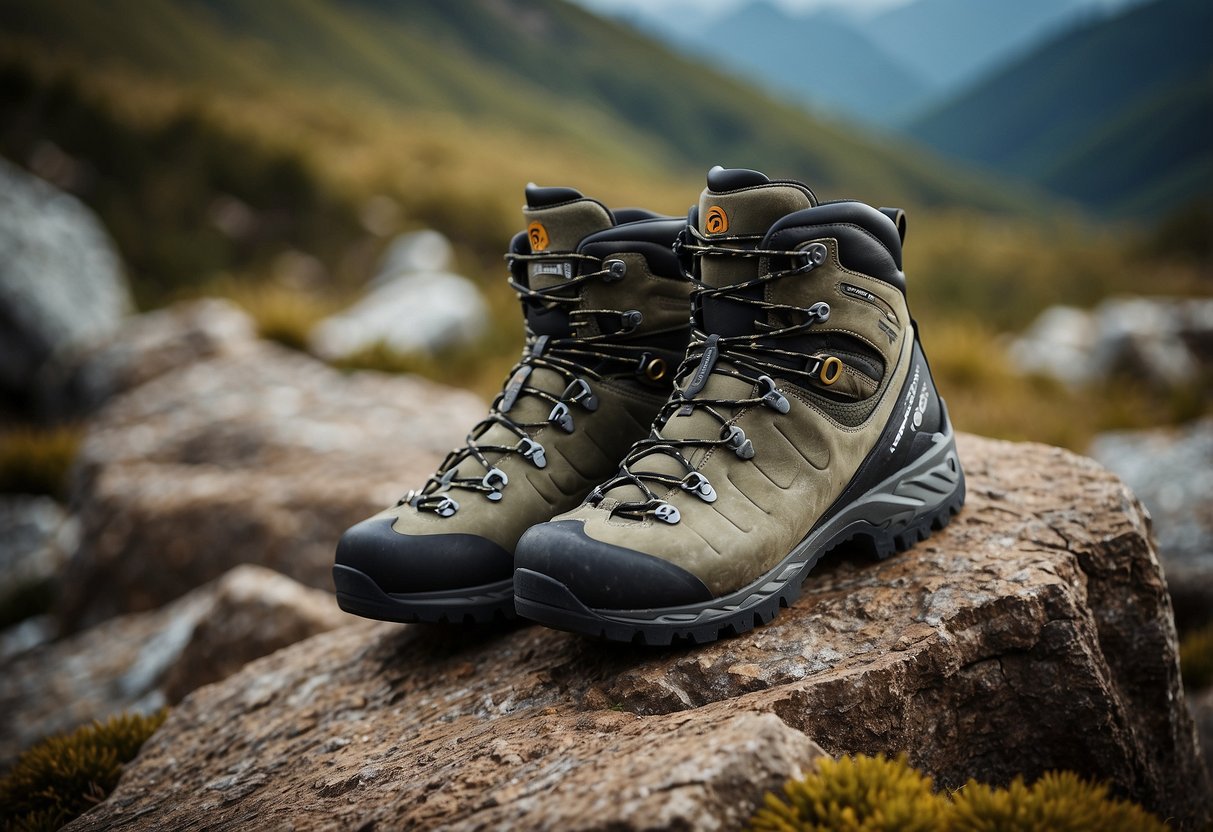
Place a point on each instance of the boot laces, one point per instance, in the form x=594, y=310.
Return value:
x=578, y=359
x=755, y=358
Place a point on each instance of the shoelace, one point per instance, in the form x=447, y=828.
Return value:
x=752, y=358
x=577, y=359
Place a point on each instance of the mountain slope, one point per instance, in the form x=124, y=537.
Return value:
x=820, y=58
x=950, y=42
x=1117, y=114
x=544, y=67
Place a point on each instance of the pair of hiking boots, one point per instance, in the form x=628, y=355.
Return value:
x=703, y=408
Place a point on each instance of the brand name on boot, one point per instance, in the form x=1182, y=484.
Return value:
x=911, y=394
x=564, y=270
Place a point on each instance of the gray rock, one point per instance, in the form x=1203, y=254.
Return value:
x=1171, y=471
x=37, y=536
x=78, y=380
x=1165, y=342
x=61, y=282
x=261, y=456
x=146, y=660
x=414, y=305
x=416, y=251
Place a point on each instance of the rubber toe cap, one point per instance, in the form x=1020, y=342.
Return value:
x=406, y=563
x=602, y=575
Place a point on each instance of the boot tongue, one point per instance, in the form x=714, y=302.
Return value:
x=558, y=219
x=740, y=202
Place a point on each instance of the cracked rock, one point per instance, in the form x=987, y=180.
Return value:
x=1034, y=633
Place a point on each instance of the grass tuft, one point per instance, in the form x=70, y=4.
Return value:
x=64, y=776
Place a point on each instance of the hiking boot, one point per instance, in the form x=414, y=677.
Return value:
x=605, y=303
x=804, y=416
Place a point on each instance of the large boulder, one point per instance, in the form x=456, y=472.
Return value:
x=146, y=660
x=1163, y=342
x=1034, y=633
x=79, y=379
x=415, y=305
x=262, y=456
x=61, y=282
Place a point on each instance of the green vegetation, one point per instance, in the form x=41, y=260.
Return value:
x=268, y=156
x=875, y=794
x=1196, y=657
x=1100, y=114
x=37, y=460
x=64, y=776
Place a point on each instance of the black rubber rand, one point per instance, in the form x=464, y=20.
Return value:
x=547, y=601
x=357, y=593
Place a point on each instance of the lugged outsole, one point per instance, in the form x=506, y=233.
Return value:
x=357, y=593
x=548, y=601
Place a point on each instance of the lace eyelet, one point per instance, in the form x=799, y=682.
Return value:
x=736, y=439
x=531, y=450
x=666, y=513
x=774, y=398
x=446, y=507
x=496, y=480
x=615, y=270
x=697, y=484
x=579, y=392
x=561, y=417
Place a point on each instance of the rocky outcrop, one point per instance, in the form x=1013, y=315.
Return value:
x=413, y=285
x=146, y=660
x=1033, y=633
x=80, y=379
x=261, y=455
x=1165, y=342
x=61, y=281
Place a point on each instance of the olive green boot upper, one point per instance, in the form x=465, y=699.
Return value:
x=605, y=305
x=803, y=416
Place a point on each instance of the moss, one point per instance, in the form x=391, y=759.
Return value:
x=1196, y=658
x=867, y=794
x=1058, y=801
x=871, y=794
x=36, y=460
x=64, y=776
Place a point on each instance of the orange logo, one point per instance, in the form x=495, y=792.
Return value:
x=538, y=235
x=717, y=221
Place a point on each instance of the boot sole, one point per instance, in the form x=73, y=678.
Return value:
x=357, y=593
x=891, y=517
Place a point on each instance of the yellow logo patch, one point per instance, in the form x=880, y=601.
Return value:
x=717, y=221
x=538, y=235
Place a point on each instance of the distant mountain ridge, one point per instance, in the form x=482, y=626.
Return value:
x=1117, y=115
x=822, y=59
x=544, y=66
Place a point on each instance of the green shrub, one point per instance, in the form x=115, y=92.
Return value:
x=866, y=794
x=64, y=776
x=37, y=460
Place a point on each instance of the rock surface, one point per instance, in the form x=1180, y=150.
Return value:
x=146, y=660
x=80, y=379
x=1165, y=342
x=414, y=305
x=36, y=538
x=262, y=456
x=61, y=281
x=1033, y=633
x=1171, y=472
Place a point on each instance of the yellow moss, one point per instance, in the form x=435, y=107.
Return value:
x=64, y=776
x=854, y=794
x=1058, y=801
x=866, y=794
